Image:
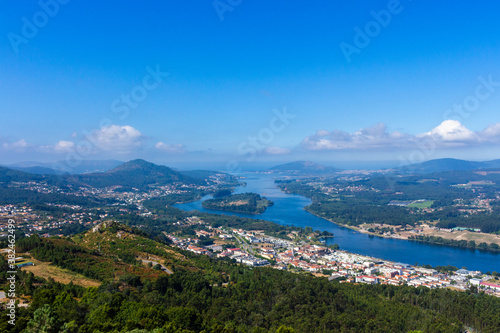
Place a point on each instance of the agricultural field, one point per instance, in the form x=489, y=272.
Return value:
x=421, y=204
x=48, y=270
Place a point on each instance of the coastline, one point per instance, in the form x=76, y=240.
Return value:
x=363, y=231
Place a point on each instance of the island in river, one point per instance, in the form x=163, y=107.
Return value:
x=248, y=203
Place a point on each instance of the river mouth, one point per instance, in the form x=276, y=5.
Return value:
x=288, y=209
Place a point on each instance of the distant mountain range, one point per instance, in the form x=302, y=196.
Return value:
x=437, y=165
x=38, y=170
x=136, y=173
x=8, y=175
x=303, y=168
x=61, y=167
x=449, y=164
x=139, y=173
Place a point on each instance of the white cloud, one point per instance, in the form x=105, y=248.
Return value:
x=113, y=138
x=491, y=133
x=59, y=148
x=450, y=133
x=375, y=136
x=18, y=145
x=64, y=147
x=276, y=151
x=173, y=148
x=117, y=138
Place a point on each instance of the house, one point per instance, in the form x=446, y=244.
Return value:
x=198, y=250
x=371, y=271
x=224, y=254
x=29, y=263
x=235, y=251
x=214, y=248
x=489, y=285
x=367, y=279
x=251, y=261
x=427, y=271
x=335, y=277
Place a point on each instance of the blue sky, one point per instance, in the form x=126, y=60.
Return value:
x=249, y=82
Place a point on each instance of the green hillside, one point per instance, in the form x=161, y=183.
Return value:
x=248, y=203
x=137, y=173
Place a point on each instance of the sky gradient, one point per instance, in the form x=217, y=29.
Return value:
x=249, y=82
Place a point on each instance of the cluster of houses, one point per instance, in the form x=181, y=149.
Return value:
x=243, y=257
x=345, y=266
x=31, y=222
x=312, y=258
x=9, y=210
x=360, y=269
x=258, y=237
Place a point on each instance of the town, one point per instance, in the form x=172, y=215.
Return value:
x=257, y=249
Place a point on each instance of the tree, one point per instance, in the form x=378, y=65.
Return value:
x=334, y=246
x=43, y=321
x=69, y=327
x=285, y=329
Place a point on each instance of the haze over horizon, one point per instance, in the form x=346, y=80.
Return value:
x=250, y=85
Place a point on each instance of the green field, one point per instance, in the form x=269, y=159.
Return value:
x=423, y=204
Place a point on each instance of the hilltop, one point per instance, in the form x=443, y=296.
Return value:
x=104, y=253
x=136, y=173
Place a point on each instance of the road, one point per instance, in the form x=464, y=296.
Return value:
x=245, y=245
x=156, y=263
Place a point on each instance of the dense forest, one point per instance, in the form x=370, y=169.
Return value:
x=172, y=199
x=483, y=246
x=207, y=295
x=247, y=203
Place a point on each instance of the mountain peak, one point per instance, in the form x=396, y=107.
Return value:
x=133, y=165
x=137, y=173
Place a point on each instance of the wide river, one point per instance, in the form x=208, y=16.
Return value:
x=288, y=210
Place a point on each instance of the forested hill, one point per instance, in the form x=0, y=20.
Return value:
x=449, y=164
x=208, y=295
x=248, y=203
x=136, y=173
x=8, y=175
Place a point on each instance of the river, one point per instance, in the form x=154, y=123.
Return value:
x=288, y=210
